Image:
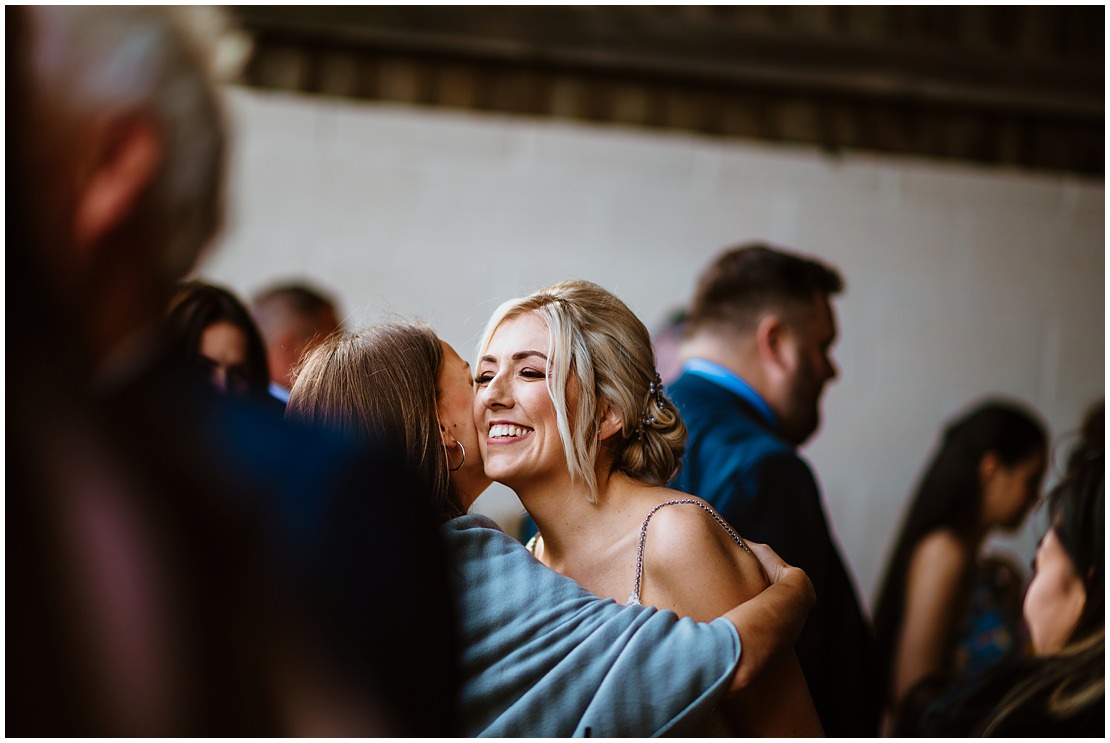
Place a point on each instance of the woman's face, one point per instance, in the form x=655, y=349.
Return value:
x=513, y=410
x=1055, y=598
x=1009, y=492
x=223, y=352
x=455, y=403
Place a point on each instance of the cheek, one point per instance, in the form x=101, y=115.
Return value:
x=1052, y=608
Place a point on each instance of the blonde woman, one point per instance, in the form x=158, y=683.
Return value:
x=539, y=655
x=572, y=416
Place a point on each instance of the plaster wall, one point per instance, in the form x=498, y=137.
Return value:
x=961, y=280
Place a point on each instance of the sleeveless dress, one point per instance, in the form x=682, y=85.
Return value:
x=634, y=597
x=716, y=725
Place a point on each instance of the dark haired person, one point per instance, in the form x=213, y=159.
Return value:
x=1061, y=691
x=755, y=363
x=985, y=475
x=210, y=328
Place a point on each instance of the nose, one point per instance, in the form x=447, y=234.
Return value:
x=833, y=371
x=495, y=394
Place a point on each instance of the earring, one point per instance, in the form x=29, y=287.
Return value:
x=461, y=462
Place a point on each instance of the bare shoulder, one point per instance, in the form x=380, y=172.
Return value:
x=940, y=550
x=685, y=518
x=938, y=566
x=692, y=564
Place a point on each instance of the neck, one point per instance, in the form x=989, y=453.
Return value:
x=557, y=505
x=570, y=524
x=737, y=354
x=468, y=490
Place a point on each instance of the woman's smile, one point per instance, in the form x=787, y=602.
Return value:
x=507, y=433
x=513, y=405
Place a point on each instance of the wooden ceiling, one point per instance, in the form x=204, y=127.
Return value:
x=1018, y=86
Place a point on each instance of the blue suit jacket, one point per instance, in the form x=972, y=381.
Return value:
x=736, y=461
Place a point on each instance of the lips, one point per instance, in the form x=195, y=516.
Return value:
x=507, y=431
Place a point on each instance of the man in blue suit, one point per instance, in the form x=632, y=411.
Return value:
x=755, y=362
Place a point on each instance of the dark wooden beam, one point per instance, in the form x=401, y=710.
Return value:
x=1020, y=70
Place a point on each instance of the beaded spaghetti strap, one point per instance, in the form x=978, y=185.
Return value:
x=635, y=597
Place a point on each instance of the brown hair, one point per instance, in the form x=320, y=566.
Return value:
x=380, y=383
x=746, y=280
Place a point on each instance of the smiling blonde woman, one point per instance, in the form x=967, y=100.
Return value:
x=572, y=416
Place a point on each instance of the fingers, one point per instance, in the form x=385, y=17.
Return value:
x=778, y=570
x=773, y=565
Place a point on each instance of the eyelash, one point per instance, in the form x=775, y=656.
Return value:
x=485, y=377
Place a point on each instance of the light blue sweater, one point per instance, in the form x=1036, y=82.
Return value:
x=543, y=657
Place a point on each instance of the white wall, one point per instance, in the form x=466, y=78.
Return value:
x=961, y=280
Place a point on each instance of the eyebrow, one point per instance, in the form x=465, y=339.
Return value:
x=517, y=356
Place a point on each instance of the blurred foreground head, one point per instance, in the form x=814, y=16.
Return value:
x=123, y=148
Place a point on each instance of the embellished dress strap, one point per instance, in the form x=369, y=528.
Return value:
x=634, y=599
x=532, y=543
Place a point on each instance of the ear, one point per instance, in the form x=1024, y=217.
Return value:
x=769, y=335
x=125, y=153
x=988, y=467
x=610, y=423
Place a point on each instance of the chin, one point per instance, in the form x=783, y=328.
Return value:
x=498, y=474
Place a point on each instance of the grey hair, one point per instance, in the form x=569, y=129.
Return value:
x=596, y=339
x=163, y=62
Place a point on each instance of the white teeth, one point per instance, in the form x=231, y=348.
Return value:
x=503, y=430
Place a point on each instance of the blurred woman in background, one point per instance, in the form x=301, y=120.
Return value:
x=986, y=475
x=213, y=330
x=1061, y=692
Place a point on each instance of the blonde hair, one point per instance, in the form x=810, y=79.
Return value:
x=1068, y=682
x=596, y=340
x=380, y=383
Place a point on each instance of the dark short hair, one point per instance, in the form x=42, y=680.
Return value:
x=301, y=299
x=748, y=279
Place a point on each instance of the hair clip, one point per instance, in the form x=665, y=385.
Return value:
x=655, y=392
